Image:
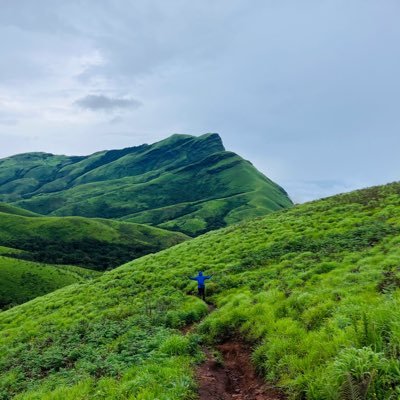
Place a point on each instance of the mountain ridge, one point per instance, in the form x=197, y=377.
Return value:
x=142, y=179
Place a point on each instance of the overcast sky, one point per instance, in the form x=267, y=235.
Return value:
x=308, y=91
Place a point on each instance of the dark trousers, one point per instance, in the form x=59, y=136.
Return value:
x=202, y=292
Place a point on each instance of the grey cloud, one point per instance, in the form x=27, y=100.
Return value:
x=8, y=118
x=116, y=120
x=96, y=102
x=8, y=121
x=307, y=91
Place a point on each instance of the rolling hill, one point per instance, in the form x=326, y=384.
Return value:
x=183, y=183
x=88, y=242
x=22, y=280
x=9, y=209
x=315, y=289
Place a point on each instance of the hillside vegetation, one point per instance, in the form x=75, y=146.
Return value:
x=21, y=280
x=94, y=243
x=314, y=288
x=9, y=209
x=185, y=183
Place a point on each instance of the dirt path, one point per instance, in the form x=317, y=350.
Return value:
x=234, y=377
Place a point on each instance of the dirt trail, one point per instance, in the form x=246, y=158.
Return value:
x=233, y=378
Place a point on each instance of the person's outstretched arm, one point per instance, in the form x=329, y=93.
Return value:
x=208, y=277
x=192, y=278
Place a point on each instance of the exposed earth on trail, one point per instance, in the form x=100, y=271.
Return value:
x=232, y=376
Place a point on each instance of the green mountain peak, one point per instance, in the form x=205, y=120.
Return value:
x=185, y=183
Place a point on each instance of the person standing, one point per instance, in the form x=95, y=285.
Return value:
x=201, y=283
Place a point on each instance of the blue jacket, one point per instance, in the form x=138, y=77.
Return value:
x=200, y=278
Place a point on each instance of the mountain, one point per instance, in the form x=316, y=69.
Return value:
x=88, y=242
x=184, y=183
x=315, y=289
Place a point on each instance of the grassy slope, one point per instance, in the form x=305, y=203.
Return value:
x=169, y=183
x=315, y=288
x=21, y=280
x=94, y=243
x=9, y=209
x=239, y=192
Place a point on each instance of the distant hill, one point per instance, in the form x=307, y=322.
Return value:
x=93, y=243
x=9, y=209
x=184, y=183
x=315, y=289
x=22, y=280
x=31, y=245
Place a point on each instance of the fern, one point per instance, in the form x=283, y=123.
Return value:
x=350, y=389
x=366, y=383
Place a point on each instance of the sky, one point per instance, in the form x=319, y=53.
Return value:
x=308, y=91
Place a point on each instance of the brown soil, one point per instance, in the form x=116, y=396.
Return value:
x=233, y=377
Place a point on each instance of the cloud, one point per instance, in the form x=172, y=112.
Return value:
x=100, y=102
x=10, y=121
x=301, y=191
x=7, y=117
x=315, y=107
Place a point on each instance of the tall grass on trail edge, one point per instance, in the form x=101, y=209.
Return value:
x=315, y=289
x=163, y=379
x=87, y=345
x=325, y=322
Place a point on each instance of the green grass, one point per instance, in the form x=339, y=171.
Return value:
x=9, y=251
x=315, y=289
x=21, y=280
x=185, y=183
x=9, y=209
x=94, y=243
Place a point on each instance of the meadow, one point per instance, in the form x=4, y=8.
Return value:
x=314, y=289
